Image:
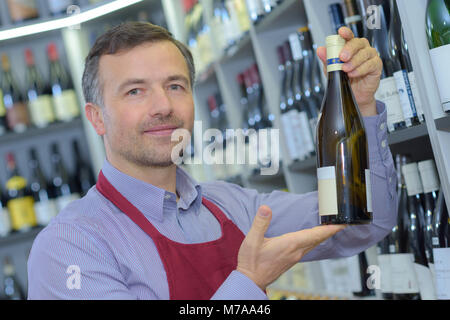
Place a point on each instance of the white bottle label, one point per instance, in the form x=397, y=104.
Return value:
x=387, y=93
x=442, y=272
x=441, y=65
x=416, y=95
x=384, y=261
x=66, y=105
x=41, y=110
x=45, y=211
x=428, y=175
x=404, y=92
x=294, y=153
x=412, y=179
x=300, y=141
x=305, y=130
x=425, y=279
x=404, y=279
x=295, y=46
x=5, y=222
x=368, y=190
x=327, y=189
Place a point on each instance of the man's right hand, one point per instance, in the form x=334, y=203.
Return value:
x=263, y=260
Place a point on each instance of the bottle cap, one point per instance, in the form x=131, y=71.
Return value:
x=334, y=43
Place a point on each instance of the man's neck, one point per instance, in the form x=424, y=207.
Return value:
x=161, y=177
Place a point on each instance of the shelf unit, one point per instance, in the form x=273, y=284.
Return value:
x=73, y=45
x=430, y=140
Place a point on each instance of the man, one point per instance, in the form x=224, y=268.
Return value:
x=147, y=230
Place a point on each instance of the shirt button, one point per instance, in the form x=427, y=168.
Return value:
x=383, y=143
x=167, y=196
x=383, y=126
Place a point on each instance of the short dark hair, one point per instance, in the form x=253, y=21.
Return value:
x=125, y=36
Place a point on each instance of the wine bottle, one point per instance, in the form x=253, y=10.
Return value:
x=5, y=221
x=17, y=116
x=243, y=101
x=441, y=251
x=353, y=18
x=401, y=74
x=255, y=117
x=312, y=100
x=21, y=10
x=255, y=10
x=342, y=152
x=416, y=231
x=291, y=137
x=20, y=202
x=337, y=16
x=3, y=122
x=64, y=97
x=359, y=266
x=57, y=7
x=38, y=93
x=387, y=90
x=412, y=78
x=11, y=285
x=64, y=189
x=438, y=34
x=405, y=285
x=83, y=174
x=302, y=122
x=44, y=204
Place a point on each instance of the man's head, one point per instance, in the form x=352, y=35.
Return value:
x=137, y=84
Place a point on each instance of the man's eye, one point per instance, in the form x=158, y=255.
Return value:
x=133, y=92
x=175, y=87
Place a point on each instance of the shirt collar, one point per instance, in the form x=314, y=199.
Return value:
x=151, y=200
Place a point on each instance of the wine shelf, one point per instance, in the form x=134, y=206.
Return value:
x=407, y=134
x=443, y=123
x=16, y=237
x=32, y=132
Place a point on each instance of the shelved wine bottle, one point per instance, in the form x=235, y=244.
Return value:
x=3, y=124
x=39, y=94
x=83, y=175
x=441, y=252
x=353, y=18
x=5, y=221
x=20, y=202
x=438, y=33
x=12, y=289
x=21, y=10
x=342, y=153
x=64, y=97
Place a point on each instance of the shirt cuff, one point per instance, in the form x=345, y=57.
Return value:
x=239, y=287
x=380, y=157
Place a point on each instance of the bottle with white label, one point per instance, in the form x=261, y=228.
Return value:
x=5, y=221
x=302, y=123
x=441, y=249
x=438, y=33
x=387, y=90
x=295, y=152
x=401, y=74
x=342, y=152
x=416, y=231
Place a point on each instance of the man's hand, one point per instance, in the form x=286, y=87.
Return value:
x=263, y=260
x=363, y=67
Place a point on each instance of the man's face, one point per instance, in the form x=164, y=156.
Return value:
x=147, y=95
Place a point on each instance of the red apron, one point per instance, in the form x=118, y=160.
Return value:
x=194, y=271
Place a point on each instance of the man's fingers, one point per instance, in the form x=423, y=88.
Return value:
x=260, y=225
x=359, y=58
x=352, y=47
x=371, y=66
x=346, y=33
x=310, y=238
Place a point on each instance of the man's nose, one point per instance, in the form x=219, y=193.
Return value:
x=161, y=104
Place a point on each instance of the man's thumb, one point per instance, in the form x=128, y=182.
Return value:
x=260, y=223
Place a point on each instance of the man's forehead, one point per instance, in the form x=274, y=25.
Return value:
x=148, y=53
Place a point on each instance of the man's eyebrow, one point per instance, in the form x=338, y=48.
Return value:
x=179, y=77
x=130, y=82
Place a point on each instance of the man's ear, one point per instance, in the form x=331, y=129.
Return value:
x=94, y=113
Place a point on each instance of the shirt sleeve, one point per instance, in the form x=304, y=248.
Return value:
x=239, y=287
x=292, y=212
x=66, y=263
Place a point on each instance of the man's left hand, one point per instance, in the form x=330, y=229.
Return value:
x=363, y=67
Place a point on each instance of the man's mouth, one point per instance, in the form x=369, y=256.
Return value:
x=163, y=130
